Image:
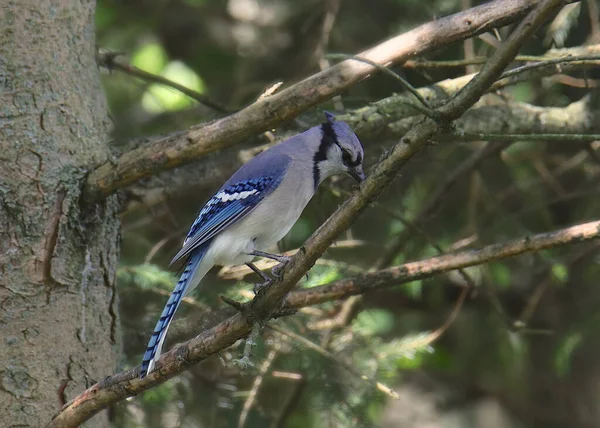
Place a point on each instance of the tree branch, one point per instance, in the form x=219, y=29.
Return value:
x=413, y=271
x=269, y=299
x=391, y=117
x=381, y=121
x=266, y=113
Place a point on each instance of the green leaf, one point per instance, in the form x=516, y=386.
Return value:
x=146, y=276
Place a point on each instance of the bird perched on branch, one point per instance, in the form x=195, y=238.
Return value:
x=256, y=208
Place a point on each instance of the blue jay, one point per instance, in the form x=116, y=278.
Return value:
x=256, y=208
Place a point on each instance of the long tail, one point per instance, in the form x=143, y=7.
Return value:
x=154, y=348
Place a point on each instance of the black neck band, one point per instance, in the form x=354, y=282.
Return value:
x=327, y=140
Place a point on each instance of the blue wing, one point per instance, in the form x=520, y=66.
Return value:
x=236, y=199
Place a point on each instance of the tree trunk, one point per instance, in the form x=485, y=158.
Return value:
x=58, y=256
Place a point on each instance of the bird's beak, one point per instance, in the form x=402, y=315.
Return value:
x=357, y=173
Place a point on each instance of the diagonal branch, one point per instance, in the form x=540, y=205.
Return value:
x=426, y=268
x=268, y=300
x=390, y=118
x=413, y=271
x=266, y=113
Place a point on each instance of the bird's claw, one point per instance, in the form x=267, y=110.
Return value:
x=277, y=270
x=259, y=286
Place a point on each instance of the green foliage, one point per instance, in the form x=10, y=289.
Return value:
x=373, y=322
x=408, y=353
x=146, y=276
x=159, y=396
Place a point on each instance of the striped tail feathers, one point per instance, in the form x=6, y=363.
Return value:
x=154, y=348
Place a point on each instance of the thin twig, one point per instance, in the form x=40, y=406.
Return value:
x=332, y=8
x=577, y=138
x=109, y=61
x=425, y=109
x=591, y=60
x=501, y=58
x=537, y=62
x=428, y=339
x=290, y=402
x=349, y=309
x=480, y=60
x=543, y=281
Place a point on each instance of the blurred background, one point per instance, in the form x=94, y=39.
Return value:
x=520, y=352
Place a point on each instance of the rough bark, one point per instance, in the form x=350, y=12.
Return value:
x=57, y=258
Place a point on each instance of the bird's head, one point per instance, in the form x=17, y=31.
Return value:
x=340, y=151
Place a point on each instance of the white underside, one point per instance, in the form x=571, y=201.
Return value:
x=260, y=230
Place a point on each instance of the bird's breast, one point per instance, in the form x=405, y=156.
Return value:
x=264, y=226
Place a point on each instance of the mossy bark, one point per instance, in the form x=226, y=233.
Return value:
x=58, y=256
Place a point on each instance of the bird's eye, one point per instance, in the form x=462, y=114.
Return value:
x=347, y=158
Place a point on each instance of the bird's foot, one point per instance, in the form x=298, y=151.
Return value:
x=283, y=261
x=277, y=270
x=261, y=285
x=278, y=257
x=266, y=279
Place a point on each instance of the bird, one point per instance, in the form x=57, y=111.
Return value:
x=256, y=208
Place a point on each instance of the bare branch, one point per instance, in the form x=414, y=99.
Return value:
x=266, y=113
x=391, y=118
x=435, y=265
x=381, y=121
x=493, y=68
